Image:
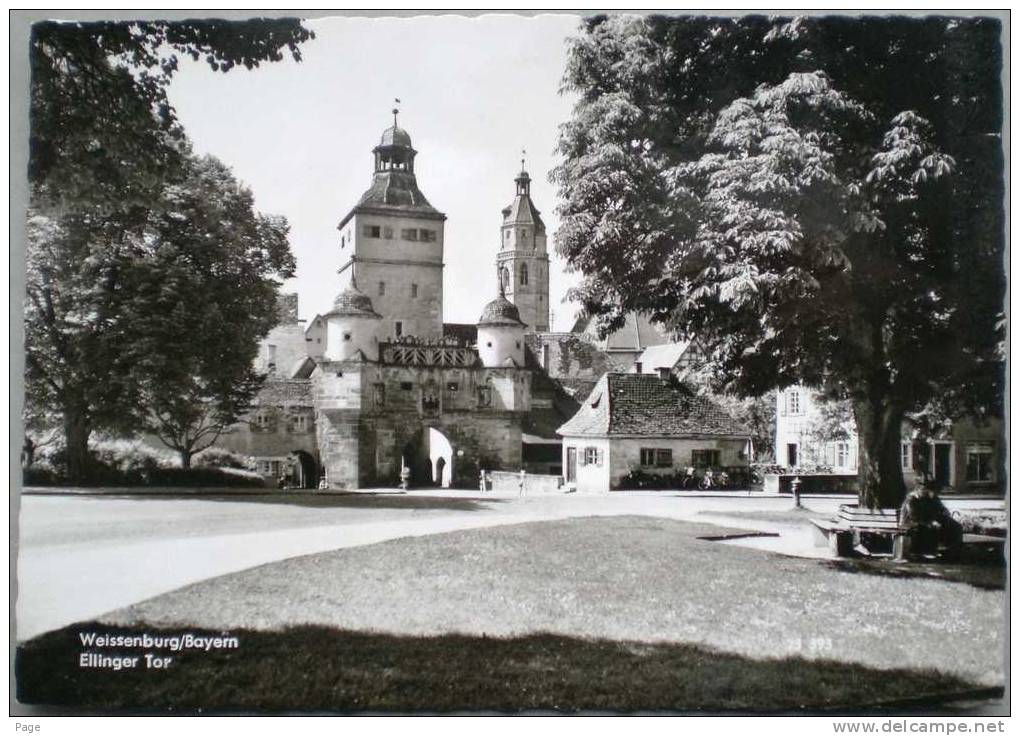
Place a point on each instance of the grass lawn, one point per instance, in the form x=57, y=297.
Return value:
x=606, y=612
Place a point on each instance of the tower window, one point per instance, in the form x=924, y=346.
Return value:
x=388, y=233
x=382, y=288
x=427, y=236
x=505, y=276
x=347, y=336
x=410, y=233
x=414, y=291
x=524, y=274
x=371, y=231
x=398, y=328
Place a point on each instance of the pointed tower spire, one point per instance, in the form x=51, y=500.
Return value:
x=522, y=257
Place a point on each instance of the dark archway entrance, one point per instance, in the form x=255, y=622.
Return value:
x=305, y=471
x=429, y=456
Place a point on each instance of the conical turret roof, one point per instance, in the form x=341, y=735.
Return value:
x=352, y=302
x=500, y=311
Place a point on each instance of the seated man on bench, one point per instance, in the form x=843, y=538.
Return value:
x=928, y=526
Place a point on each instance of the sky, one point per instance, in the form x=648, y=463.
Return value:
x=474, y=92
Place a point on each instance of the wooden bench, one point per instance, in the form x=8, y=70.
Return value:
x=844, y=540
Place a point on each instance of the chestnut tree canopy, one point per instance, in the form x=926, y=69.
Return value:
x=815, y=200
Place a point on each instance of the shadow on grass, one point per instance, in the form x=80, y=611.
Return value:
x=980, y=572
x=312, y=668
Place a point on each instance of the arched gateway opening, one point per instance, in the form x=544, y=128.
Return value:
x=304, y=472
x=429, y=456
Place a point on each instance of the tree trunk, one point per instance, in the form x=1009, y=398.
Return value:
x=76, y=438
x=880, y=474
x=185, y=458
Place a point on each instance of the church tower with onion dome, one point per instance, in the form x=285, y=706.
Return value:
x=523, y=260
x=391, y=243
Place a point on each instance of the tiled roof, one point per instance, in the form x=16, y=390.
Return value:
x=646, y=405
x=352, y=302
x=394, y=192
x=500, y=311
x=273, y=393
x=522, y=211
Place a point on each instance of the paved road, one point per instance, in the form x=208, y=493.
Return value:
x=81, y=556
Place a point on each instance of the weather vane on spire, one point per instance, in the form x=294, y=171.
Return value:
x=396, y=109
x=524, y=155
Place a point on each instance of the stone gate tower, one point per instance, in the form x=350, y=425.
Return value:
x=393, y=239
x=523, y=260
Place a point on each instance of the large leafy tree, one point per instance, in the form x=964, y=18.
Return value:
x=202, y=293
x=816, y=200
x=105, y=151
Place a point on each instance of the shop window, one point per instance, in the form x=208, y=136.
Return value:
x=705, y=458
x=980, y=462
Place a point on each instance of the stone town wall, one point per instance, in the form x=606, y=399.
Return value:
x=533, y=482
x=567, y=355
